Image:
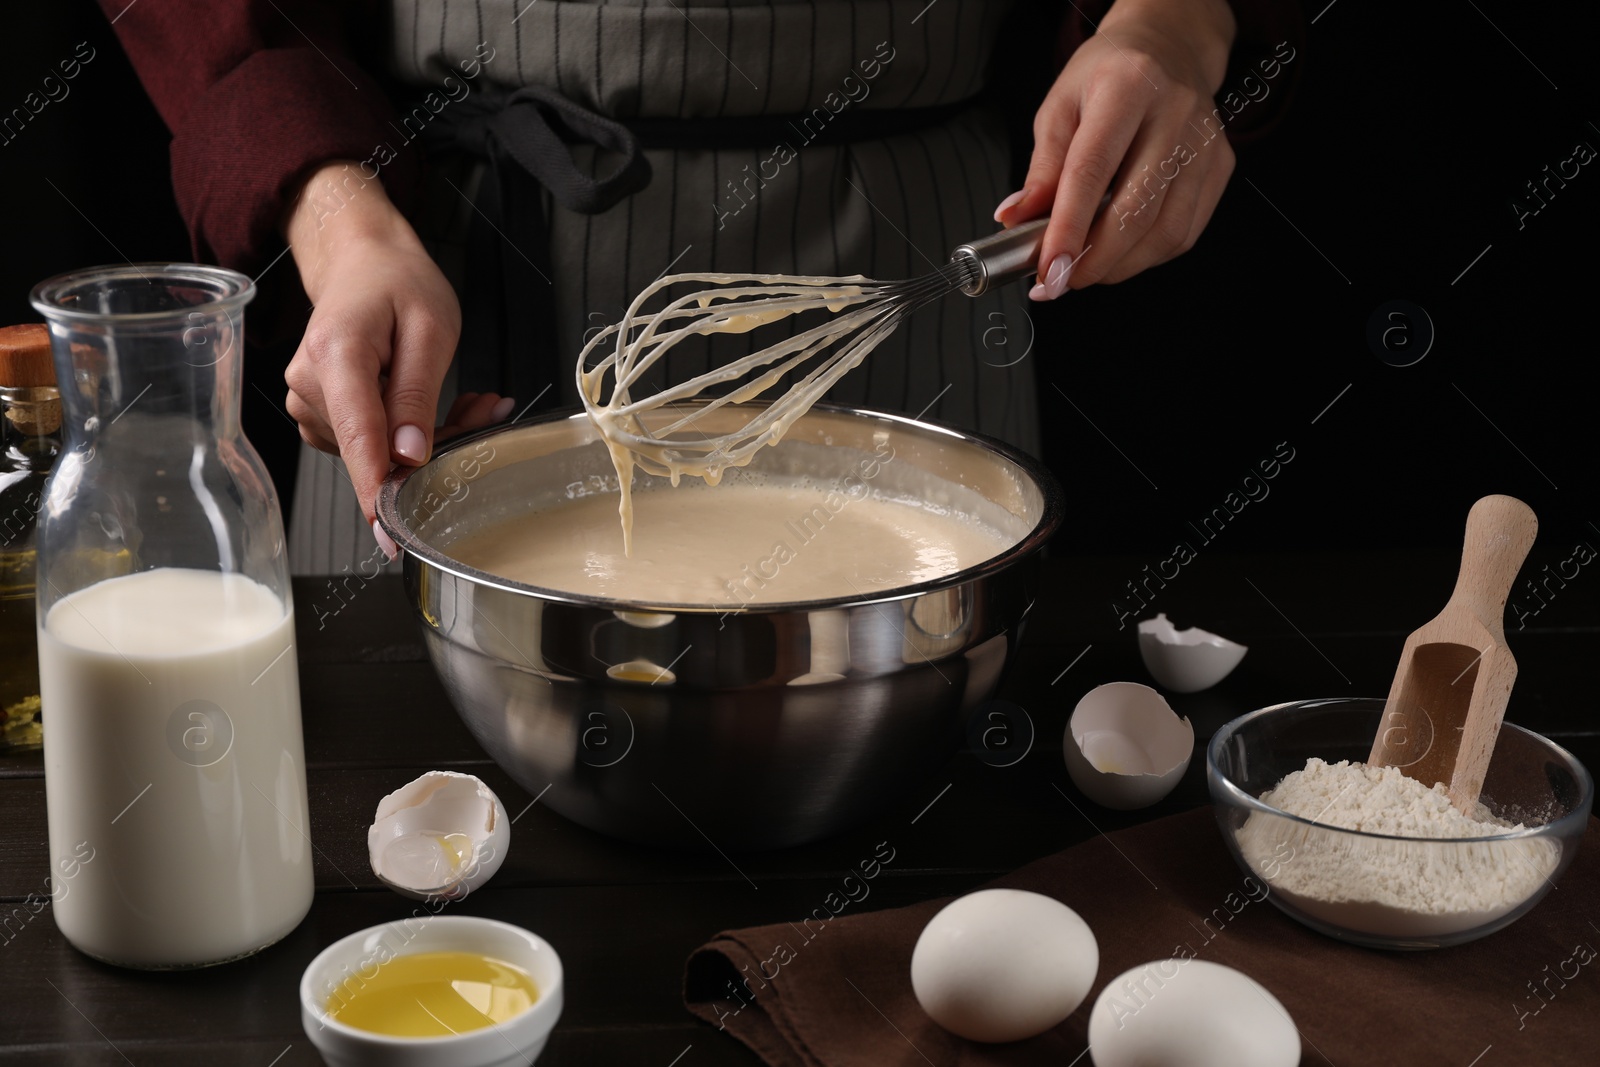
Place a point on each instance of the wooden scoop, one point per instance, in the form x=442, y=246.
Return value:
x=1455, y=674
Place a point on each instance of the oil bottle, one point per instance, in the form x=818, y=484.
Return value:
x=30, y=439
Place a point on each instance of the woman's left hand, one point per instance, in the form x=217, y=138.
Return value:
x=1130, y=116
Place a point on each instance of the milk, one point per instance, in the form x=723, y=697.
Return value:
x=174, y=753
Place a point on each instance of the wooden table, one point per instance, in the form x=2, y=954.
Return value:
x=625, y=918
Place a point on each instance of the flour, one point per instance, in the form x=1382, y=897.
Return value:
x=1414, y=882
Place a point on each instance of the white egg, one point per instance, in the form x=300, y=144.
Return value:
x=442, y=835
x=1190, y=1013
x=1186, y=661
x=1003, y=964
x=1125, y=747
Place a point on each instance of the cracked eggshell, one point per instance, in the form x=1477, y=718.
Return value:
x=1186, y=661
x=1125, y=747
x=443, y=835
x=1183, y=1012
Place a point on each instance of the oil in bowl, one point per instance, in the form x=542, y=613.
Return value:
x=433, y=991
x=434, y=994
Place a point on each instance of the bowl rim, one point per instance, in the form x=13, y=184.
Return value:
x=1050, y=519
x=309, y=1006
x=1570, y=823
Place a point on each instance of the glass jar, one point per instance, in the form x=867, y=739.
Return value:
x=174, y=765
x=30, y=424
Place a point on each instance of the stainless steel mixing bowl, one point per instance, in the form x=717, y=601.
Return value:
x=729, y=725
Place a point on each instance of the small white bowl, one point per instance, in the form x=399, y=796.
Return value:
x=1125, y=747
x=519, y=1040
x=1186, y=661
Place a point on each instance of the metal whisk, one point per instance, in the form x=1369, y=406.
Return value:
x=865, y=312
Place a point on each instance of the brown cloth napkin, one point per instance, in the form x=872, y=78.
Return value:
x=843, y=998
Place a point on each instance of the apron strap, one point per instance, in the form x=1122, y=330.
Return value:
x=531, y=128
x=508, y=331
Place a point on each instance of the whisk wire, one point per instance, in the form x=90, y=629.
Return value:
x=865, y=313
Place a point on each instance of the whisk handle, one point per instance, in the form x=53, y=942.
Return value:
x=1004, y=256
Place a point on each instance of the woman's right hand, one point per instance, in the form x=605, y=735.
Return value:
x=1128, y=116
x=365, y=381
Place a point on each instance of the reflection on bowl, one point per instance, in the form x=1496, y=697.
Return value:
x=1387, y=891
x=753, y=725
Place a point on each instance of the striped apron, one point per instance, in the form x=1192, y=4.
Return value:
x=851, y=143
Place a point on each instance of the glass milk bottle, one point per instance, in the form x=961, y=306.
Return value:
x=174, y=768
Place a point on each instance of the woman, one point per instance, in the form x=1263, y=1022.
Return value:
x=785, y=137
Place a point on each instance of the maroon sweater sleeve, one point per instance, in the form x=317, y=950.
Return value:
x=1271, y=38
x=256, y=93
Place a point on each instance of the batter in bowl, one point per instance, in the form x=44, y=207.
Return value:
x=734, y=545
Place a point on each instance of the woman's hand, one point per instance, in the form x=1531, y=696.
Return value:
x=1130, y=116
x=473, y=411
x=365, y=380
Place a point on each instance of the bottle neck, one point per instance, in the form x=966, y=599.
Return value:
x=139, y=346
x=126, y=382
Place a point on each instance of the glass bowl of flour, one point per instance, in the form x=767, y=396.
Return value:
x=1370, y=856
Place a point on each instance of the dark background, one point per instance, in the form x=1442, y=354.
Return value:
x=1411, y=134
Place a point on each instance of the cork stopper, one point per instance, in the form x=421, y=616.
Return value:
x=25, y=356
x=25, y=364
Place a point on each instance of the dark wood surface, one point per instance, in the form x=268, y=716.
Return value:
x=624, y=917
